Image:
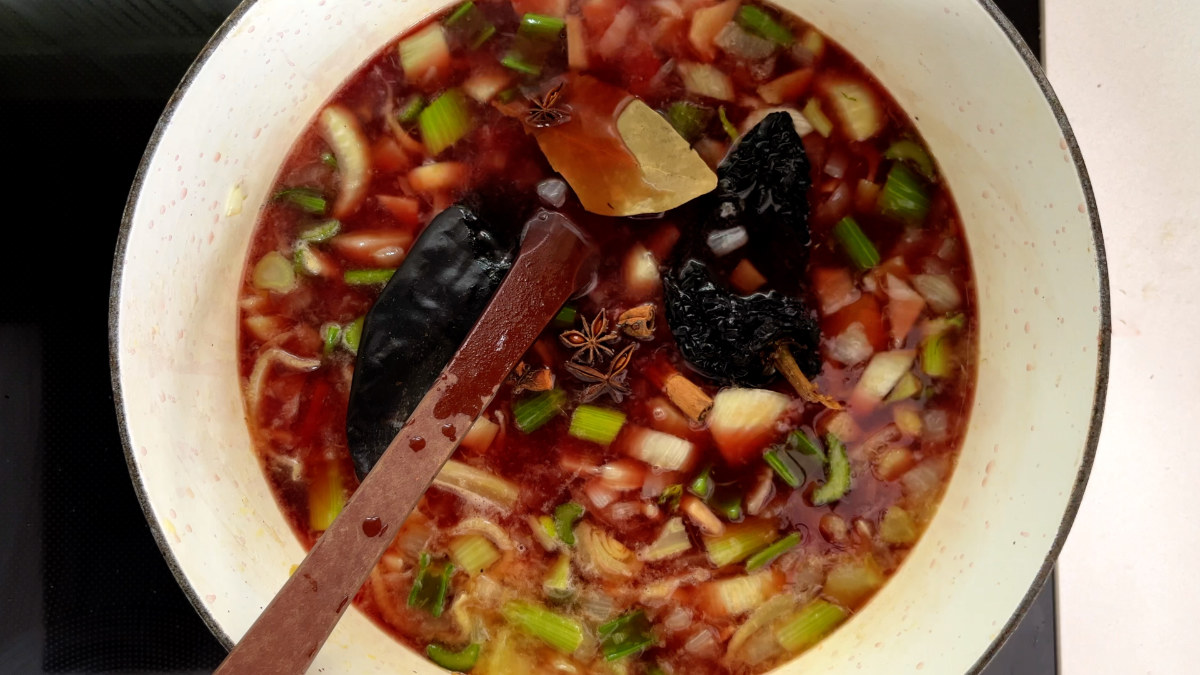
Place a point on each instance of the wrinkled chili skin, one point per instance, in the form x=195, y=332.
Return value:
x=421, y=317
x=730, y=338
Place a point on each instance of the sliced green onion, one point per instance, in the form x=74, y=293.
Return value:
x=596, y=424
x=531, y=414
x=563, y=633
x=908, y=387
x=565, y=517
x=837, y=479
x=670, y=496
x=726, y=124
x=904, y=195
x=473, y=553
x=907, y=150
x=508, y=95
x=809, y=625
x=460, y=13
x=565, y=317
x=368, y=277
x=625, y=635
x=308, y=200
x=785, y=465
x=671, y=541
x=273, y=272
x=702, y=485
x=459, y=662
x=541, y=27
x=444, y=121
x=557, y=584
x=322, y=231
x=857, y=246
x=515, y=61
x=469, y=25
x=935, y=356
x=430, y=587
x=799, y=439
x=817, y=117
x=306, y=260
x=728, y=502
x=411, y=110
x=352, y=333
x=688, y=118
x=331, y=334
x=739, y=541
x=329, y=160
x=764, y=25
x=769, y=554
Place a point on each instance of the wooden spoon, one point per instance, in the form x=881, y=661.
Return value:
x=552, y=264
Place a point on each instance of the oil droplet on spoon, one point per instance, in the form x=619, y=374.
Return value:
x=417, y=444
x=372, y=527
x=449, y=431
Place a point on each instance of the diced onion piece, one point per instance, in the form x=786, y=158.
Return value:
x=542, y=528
x=742, y=421
x=842, y=425
x=734, y=596
x=809, y=625
x=739, y=649
x=817, y=117
x=799, y=121
x=786, y=87
x=740, y=43
x=703, y=643
x=702, y=516
x=373, y=248
x=851, y=346
x=857, y=108
x=623, y=474
x=906, y=416
x=340, y=129
x=616, y=38
x=601, y=554
x=553, y=192
x=880, y=376
x=939, y=291
x=264, y=327
x=853, y=581
x=705, y=79
x=424, y=54
x=429, y=178
x=893, y=463
x=599, y=493
x=897, y=527
x=481, y=435
x=814, y=42
x=473, y=553
x=472, y=483
x=739, y=541
x=707, y=24
x=834, y=288
x=641, y=273
x=660, y=450
x=406, y=210
x=577, y=55
x=672, y=540
x=314, y=263
x=557, y=582
x=273, y=272
x=904, y=307
x=485, y=85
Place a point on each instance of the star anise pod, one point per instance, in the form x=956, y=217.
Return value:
x=524, y=378
x=611, y=382
x=589, y=342
x=544, y=110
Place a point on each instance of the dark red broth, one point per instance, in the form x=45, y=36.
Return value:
x=636, y=540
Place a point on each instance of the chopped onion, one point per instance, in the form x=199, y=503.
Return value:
x=469, y=482
x=737, y=41
x=616, y=37
x=724, y=242
x=623, y=474
x=487, y=528
x=624, y=510
x=836, y=205
x=553, y=191
x=703, y=643
x=677, y=619
x=599, y=493
x=258, y=376
x=852, y=346
x=762, y=492
x=939, y=291
x=837, y=163
x=601, y=554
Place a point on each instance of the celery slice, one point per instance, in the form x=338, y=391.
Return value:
x=563, y=633
x=473, y=553
x=322, y=231
x=565, y=517
x=702, y=485
x=809, y=625
x=837, y=480
x=565, y=317
x=908, y=150
x=531, y=414
x=326, y=499
x=541, y=27
x=625, y=635
x=857, y=246
x=273, y=272
x=764, y=25
x=517, y=62
x=557, y=584
x=596, y=424
x=306, y=260
x=411, y=110
x=368, y=277
x=688, y=118
x=331, y=335
x=817, y=117
x=935, y=357
x=445, y=121
x=739, y=541
x=430, y=586
x=904, y=195
x=800, y=440
x=308, y=200
x=769, y=554
x=728, y=502
x=352, y=334
x=459, y=662
x=785, y=466
x=728, y=126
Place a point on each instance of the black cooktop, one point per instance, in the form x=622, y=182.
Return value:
x=83, y=588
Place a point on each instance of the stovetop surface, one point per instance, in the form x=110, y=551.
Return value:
x=83, y=587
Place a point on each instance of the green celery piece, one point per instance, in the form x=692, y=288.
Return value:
x=764, y=25
x=935, y=359
x=904, y=195
x=785, y=466
x=445, y=121
x=532, y=413
x=688, y=118
x=596, y=424
x=411, y=110
x=515, y=61
x=728, y=502
x=799, y=439
x=702, y=485
x=541, y=27
x=460, y=661
x=329, y=160
x=419, y=581
x=368, y=277
x=306, y=262
x=430, y=588
x=855, y=243
x=352, y=334
x=563, y=633
x=331, y=334
x=837, y=479
x=322, y=231
x=308, y=200
x=557, y=583
x=908, y=150
x=769, y=554
x=805, y=628
x=565, y=517
x=670, y=496
x=625, y=635
x=470, y=25
x=565, y=317
x=726, y=124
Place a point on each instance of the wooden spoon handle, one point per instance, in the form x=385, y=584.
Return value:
x=290, y=631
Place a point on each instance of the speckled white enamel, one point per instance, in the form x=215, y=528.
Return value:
x=950, y=66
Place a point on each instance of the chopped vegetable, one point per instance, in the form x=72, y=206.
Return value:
x=880, y=377
x=707, y=23
x=411, y=110
x=368, y=277
x=472, y=483
x=322, y=231
x=541, y=27
x=625, y=635
x=739, y=541
x=557, y=583
x=565, y=517
x=596, y=424
x=746, y=278
x=469, y=26
x=352, y=334
x=563, y=633
x=702, y=516
x=764, y=25
x=815, y=116
x=672, y=540
x=473, y=553
x=785, y=466
x=483, y=431
x=728, y=126
x=565, y=317
x=444, y=121
x=837, y=478
x=331, y=334
x=903, y=309
x=742, y=421
x=800, y=440
x=769, y=554
x=329, y=160
x=702, y=484
x=939, y=291
x=897, y=527
x=424, y=54
x=430, y=585
x=670, y=496
x=787, y=87
x=809, y=625
x=935, y=355
x=577, y=55
x=908, y=150
x=742, y=44
x=853, y=581
x=459, y=662
x=704, y=79
x=313, y=263
x=908, y=387
x=855, y=243
x=273, y=272
x=485, y=84
x=601, y=554
x=532, y=413
x=904, y=196
x=341, y=130
x=308, y=200
x=857, y=108
x=326, y=499
x=659, y=449
x=734, y=596
x=729, y=504
x=689, y=119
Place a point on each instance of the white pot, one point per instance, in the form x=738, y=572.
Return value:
x=988, y=115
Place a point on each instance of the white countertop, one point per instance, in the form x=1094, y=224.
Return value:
x=1128, y=75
